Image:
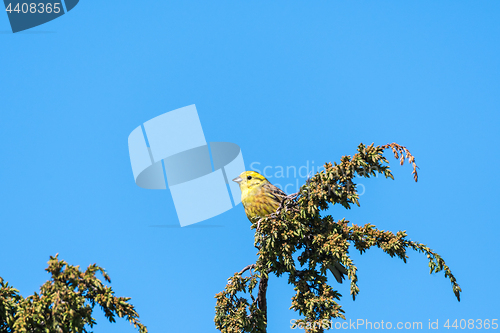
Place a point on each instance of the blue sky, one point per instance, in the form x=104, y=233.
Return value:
x=291, y=83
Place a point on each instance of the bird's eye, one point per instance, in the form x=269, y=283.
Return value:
x=249, y=177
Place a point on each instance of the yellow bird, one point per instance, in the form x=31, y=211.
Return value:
x=258, y=195
x=261, y=198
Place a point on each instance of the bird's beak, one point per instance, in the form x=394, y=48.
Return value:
x=237, y=179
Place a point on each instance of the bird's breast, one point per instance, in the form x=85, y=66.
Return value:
x=258, y=203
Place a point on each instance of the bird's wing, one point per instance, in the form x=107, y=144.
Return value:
x=274, y=192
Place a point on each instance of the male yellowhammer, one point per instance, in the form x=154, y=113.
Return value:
x=261, y=198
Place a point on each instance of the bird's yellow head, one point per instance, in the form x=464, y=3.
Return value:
x=249, y=180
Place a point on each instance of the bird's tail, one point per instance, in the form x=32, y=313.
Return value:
x=338, y=271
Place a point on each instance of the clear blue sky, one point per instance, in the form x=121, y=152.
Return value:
x=291, y=83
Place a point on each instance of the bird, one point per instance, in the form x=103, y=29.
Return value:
x=261, y=198
x=258, y=195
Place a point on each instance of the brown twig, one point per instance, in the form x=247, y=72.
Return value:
x=249, y=267
x=405, y=153
x=261, y=296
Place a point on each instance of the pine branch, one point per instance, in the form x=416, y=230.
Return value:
x=298, y=230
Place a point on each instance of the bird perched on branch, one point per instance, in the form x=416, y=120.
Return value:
x=258, y=195
x=261, y=198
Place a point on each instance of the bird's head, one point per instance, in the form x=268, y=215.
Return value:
x=249, y=180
